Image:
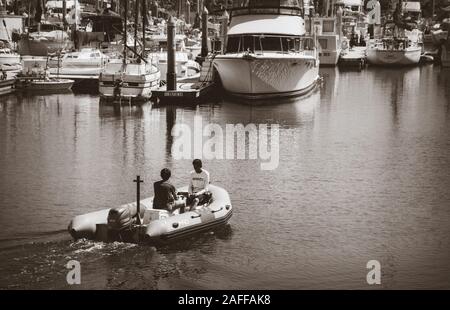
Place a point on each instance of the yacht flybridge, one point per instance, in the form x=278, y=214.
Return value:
x=268, y=54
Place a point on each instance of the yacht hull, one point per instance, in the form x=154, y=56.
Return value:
x=255, y=77
x=44, y=85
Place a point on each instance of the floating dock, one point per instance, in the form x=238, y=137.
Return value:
x=188, y=90
x=353, y=58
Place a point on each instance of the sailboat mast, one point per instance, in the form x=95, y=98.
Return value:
x=136, y=21
x=77, y=14
x=64, y=15
x=125, y=39
x=144, y=19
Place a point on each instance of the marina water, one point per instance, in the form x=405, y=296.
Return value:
x=364, y=174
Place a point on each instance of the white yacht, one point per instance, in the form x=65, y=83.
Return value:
x=267, y=53
x=85, y=64
x=128, y=81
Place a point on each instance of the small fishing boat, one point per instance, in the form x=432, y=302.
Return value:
x=154, y=226
x=35, y=76
x=43, y=84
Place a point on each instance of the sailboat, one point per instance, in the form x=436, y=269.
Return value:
x=129, y=79
x=398, y=46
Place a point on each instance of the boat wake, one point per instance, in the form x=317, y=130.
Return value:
x=88, y=246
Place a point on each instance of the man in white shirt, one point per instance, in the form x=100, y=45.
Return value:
x=198, y=185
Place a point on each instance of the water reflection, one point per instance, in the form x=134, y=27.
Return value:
x=171, y=118
x=288, y=113
x=444, y=83
x=363, y=173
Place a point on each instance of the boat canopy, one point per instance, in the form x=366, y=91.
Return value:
x=52, y=4
x=111, y=24
x=255, y=7
x=32, y=64
x=351, y=2
x=45, y=27
x=411, y=7
x=267, y=24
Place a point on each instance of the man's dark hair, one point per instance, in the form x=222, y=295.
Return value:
x=165, y=174
x=197, y=163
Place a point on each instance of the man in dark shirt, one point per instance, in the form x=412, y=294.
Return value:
x=165, y=194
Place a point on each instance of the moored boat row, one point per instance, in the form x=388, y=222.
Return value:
x=270, y=49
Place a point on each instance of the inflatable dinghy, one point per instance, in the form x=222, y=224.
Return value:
x=157, y=226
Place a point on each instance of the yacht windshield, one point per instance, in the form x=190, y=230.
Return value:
x=279, y=7
x=260, y=43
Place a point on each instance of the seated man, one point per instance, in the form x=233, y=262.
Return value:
x=198, y=185
x=166, y=195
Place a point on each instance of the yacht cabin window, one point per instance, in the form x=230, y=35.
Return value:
x=265, y=43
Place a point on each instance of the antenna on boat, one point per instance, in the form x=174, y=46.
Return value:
x=138, y=182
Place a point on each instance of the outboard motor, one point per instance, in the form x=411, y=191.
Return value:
x=121, y=218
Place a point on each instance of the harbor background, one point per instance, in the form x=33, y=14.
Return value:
x=364, y=174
